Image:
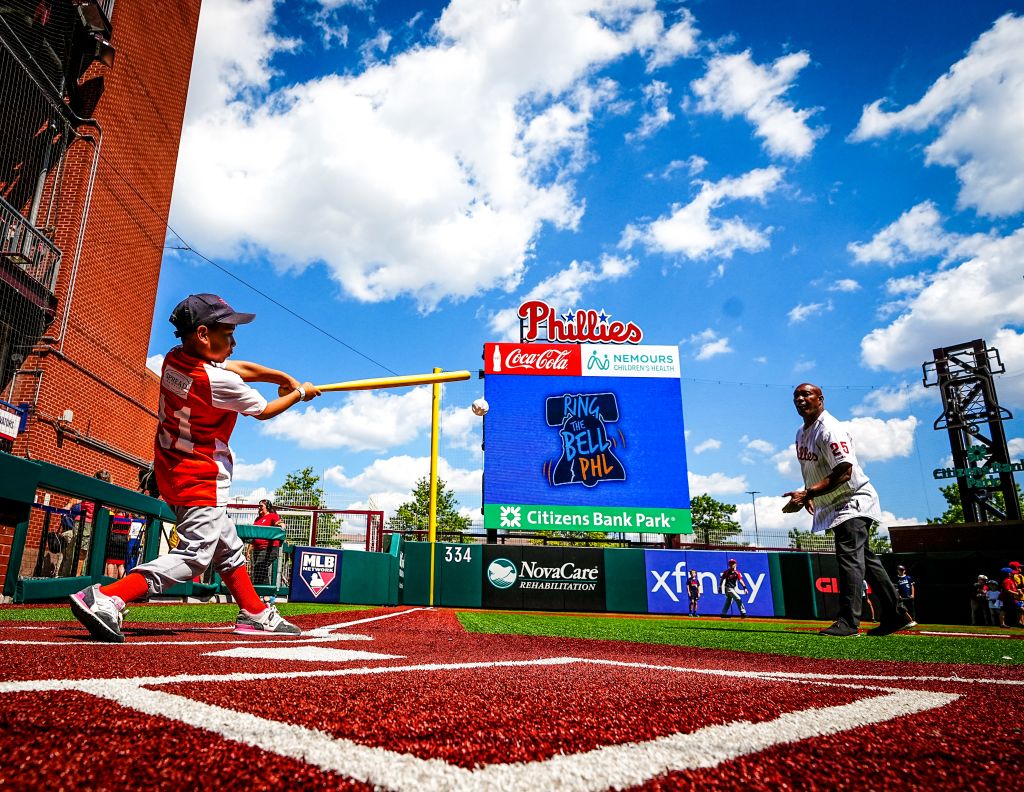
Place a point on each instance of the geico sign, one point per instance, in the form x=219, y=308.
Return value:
x=827, y=585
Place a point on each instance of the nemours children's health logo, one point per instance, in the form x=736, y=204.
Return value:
x=317, y=571
x=588, y=455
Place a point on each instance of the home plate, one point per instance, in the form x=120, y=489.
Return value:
x=309, y=654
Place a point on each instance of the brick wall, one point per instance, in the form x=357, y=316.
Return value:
x=98, y=368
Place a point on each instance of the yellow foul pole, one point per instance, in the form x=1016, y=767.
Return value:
x=435, y=431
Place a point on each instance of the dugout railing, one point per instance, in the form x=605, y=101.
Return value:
x=33, y=504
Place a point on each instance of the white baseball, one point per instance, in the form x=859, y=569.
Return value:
x=480, y=407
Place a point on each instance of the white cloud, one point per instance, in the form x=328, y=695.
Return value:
x=657, y=114
x=711, y=444
x=693, y=165
x=1015, y=446
x=692, y=232
x=229, y=68
x=422, y=175
x=678, y=41
x=715, y=483
x=805, y=311
x=389, y=482
x=894, y=399
x=879, y=440
x=367, y=421
x=914, y=235
x=155, y=364
x=785, y=463
x=711, y=345
x=803, y=365
x=460, y=428
x=980, y=298
x=254, y=472
x=563, y=290
x=975, y=106
x=761, y=446
x=844, y=285
x=908, y=284
x=735, y=85
x=771, y=519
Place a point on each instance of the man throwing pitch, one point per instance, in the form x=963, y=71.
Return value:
x=840, y=496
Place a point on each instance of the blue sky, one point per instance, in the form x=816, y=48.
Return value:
x=788, y=191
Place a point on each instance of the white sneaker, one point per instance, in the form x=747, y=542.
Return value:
x=100, y=614
x=269, y=622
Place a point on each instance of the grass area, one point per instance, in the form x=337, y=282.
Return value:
x=761, y=637
x=205, y=613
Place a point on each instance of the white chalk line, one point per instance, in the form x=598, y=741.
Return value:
x=323, y=634
x=609, y=766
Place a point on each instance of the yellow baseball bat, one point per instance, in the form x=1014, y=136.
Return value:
x=395, y=382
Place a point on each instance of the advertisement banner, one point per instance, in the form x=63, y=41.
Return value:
x=316, y=575
x=668, y=571
x=543, y=578
x=601, y=451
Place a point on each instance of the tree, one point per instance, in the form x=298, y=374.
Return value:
x=713, y=521
x=415, y=514
x=302, y=488
x=826, y=542
x=954, y=508
x=808, y=540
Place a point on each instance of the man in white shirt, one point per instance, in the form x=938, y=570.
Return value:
x=840, y=496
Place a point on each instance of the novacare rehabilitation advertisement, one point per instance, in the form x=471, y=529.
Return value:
x=584, y=437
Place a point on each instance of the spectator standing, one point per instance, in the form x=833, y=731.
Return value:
x=868, y=602
x=840, y=496
x=693, y=591
x=264, y=551
x=995, y=604
x=1010, y=597
x=117, y=546
x=907, y=590
x=733, y=586
x=979, y=602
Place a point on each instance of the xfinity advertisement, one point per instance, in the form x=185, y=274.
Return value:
x=668, y=570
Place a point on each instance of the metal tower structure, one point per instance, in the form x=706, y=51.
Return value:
x=974, y=420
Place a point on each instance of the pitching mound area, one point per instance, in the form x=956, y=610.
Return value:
x=406, y=699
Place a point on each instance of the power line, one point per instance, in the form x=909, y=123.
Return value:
x=185, y=246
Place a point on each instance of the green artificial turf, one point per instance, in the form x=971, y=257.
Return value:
x=796, y=639
x=168, y=614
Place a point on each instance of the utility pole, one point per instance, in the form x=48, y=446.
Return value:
x=752, y=493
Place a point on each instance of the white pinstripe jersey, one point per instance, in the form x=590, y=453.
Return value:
x=819, y=448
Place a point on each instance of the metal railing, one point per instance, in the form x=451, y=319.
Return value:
x=27, y=247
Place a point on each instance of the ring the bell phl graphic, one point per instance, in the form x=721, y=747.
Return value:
x=588, y=454
x=585, y=437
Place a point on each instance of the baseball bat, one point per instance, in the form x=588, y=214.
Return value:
x=395, y=382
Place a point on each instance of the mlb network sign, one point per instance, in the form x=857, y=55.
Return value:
x=316, y=575
x=668, y=571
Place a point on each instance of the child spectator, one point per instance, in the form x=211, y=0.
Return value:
x=732, y=584
x=979, y=602
x=693, y=591
x=995, y=605
x=201, y=395
x=907, y=590
x=1009, y=596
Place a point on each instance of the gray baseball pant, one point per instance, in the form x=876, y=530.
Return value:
x=206, y=536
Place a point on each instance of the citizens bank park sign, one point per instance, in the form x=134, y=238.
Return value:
x=584, y=437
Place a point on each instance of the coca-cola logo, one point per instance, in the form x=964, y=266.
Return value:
x=548, y=360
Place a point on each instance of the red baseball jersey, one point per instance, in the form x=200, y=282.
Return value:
x=199, y=404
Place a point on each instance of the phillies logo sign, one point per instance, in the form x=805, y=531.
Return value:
x=317, y=571
x=540, y=323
